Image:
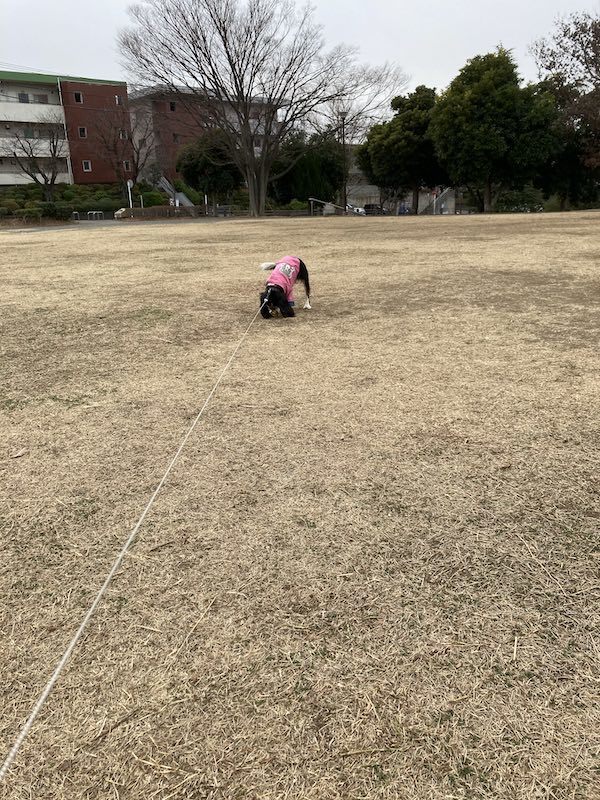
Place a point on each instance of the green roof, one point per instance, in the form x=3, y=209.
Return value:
x=41, y=77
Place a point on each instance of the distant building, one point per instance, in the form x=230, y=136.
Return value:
x=175, y=119
x=359, y=190
x=170, y=123
x=90, y=112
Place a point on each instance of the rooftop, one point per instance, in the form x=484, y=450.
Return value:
x=42, y=77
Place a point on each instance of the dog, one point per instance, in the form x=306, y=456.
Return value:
x=279, y=290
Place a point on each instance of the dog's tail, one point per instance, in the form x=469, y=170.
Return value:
x=268, y=265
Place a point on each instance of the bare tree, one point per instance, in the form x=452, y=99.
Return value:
x=570, y=59
x=255, y=69
x=40, y=153
x=572, y=52
x=143, y=144
x=125, y=136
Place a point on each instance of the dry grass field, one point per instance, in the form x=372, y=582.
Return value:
x=373, y=573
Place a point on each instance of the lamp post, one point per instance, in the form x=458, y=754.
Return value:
x=343, y=115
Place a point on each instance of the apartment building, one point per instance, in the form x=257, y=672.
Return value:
x=80, y=123
x=170, y=120
x=167, y=123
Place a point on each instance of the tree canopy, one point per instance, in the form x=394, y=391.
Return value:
x=489, y=132
x=207, y=167
x=308, y=167
x=399, y=155
x=570, y=60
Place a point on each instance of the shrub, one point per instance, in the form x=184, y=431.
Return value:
x=11, y=204
x=552, y=203
x=30, y=213
x=4, y=212
x=196, y=197
x=297, y=205
x=106, y=204
x=528, y=199
x=153, y=199
x=240, y=199
x=56, y=210
x=63, y=211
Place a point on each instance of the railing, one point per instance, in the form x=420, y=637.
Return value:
x=323, y=203
x=435, y=206
x=30, y=112
x=5, y=98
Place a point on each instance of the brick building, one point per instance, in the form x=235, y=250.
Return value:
x=90, y=116
x=172, y=124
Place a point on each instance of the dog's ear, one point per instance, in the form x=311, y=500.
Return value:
x=268, y=265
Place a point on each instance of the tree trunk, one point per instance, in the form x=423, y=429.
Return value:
x=252, y=193
x=415, y=200
x=49, y=192
x=487, y=198
x=563, y=202
x=257, y=192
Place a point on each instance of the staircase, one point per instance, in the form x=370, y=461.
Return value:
x=168, y=187
x=435, y=207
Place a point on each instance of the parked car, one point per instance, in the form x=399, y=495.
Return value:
x=350, y=209
x=374, y=209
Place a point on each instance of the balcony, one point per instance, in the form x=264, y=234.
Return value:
x=11, y=111
x=10, y=176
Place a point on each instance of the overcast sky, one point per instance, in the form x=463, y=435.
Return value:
x=430, y=41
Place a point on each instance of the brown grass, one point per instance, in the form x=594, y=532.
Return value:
x=374, y=572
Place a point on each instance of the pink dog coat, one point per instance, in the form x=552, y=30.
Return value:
x=284, y=275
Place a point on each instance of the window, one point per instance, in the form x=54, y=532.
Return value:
x=172, y=106
x=87, y=166
x=123, y=134
x=78, y=97
x=127, y=166
x=119, y=99
x=23, y=97
x=29, y=133
x=40, y=98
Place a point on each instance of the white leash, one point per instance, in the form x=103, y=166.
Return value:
x=115, y=567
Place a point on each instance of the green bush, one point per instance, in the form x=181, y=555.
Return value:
x=30, y=213
x=240, y=199
x=142, y=186
x=196, y=197
x=67, y=194
x=552, y=203
x=4, y=212
x=297, y=205
x=11, y=204
x=60, y=211
x=107, y=204
x=528, y=200
x=154, y=199
x=63, y=211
